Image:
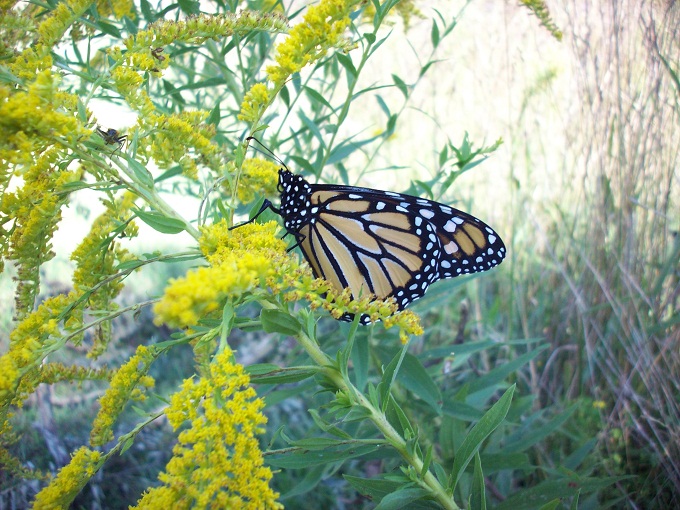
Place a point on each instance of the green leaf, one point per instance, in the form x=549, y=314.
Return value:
x=434, y=34
x=276, y=321
x=461, y=410
x=374, y=488
x=215, y=116
x=169, y=173
x=300, y=460
x=391, y=125
x=400, y=85
x=575, y=459
x=130, y=25
x=309, y=482
x=160, y=222
x=492, y=419
x=346, y=62
x=284, y=376
x=129, y=265
x=427, y=461
x=328, y=427
x=397, y=417
x=550, y=490
x=109, y=29
x=361, y=361
x=316, y=97
x=499, y=374
x=284, y=94
x=415, y=378
x=403, y=498
x=318, y=443
x=141, y=173
x=146, y=10
x=526, y=440
x=370, y=38
x=345, y=149
x=478, y=494
x=313, y=128
x=261, y=369
x=189, y=6
x=494, y=462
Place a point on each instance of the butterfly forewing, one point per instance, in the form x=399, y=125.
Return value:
x=364, y=245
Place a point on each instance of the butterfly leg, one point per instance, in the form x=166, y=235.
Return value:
x=265, y=205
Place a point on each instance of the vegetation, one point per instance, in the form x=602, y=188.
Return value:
x=550, y=382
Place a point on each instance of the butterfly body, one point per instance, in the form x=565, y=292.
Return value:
x=383, y=243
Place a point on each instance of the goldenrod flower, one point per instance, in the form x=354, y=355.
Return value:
x=217, y=462
x=129, y=382
x=60, y=19
x=232, y=273
x=250, y=260
x=31, y=341
x=405, y=9
x=97, y=257
x=61, y=492
x=540, y=10
x=322, y=28
x=254, y=103
x=258, y=177
x=182, y=138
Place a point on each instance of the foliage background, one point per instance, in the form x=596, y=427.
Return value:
x=584, y=190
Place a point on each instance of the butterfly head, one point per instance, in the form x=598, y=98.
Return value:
x=295, y=199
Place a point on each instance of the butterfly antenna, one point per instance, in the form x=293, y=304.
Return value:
x=276, y=158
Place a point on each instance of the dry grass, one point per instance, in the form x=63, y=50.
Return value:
x=615, y=283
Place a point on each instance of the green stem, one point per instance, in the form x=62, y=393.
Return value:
x=429, y=482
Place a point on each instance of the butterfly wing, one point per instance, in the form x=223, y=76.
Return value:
x=392, y=245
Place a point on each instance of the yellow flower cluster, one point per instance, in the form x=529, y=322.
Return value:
x=182, y=138
x=540, y=9
x=320, y=294
x=198, y=29
x=128, y=83
x=96, y=259
x=33, y=339
x=61, y=492
x=258, y=177
x=60, y=19
x=239, y=264
x=118, y=8
x=251, y=259
x=127, y=384
x=254, y=103
x=217, y=462
x=405, y=9
x=322, y=28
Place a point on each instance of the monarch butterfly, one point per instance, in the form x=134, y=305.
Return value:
x=111, y=136
x=379, y=242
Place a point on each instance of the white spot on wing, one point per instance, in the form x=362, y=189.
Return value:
x=450, y=248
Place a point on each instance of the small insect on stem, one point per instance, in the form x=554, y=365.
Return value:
x=112, y=136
